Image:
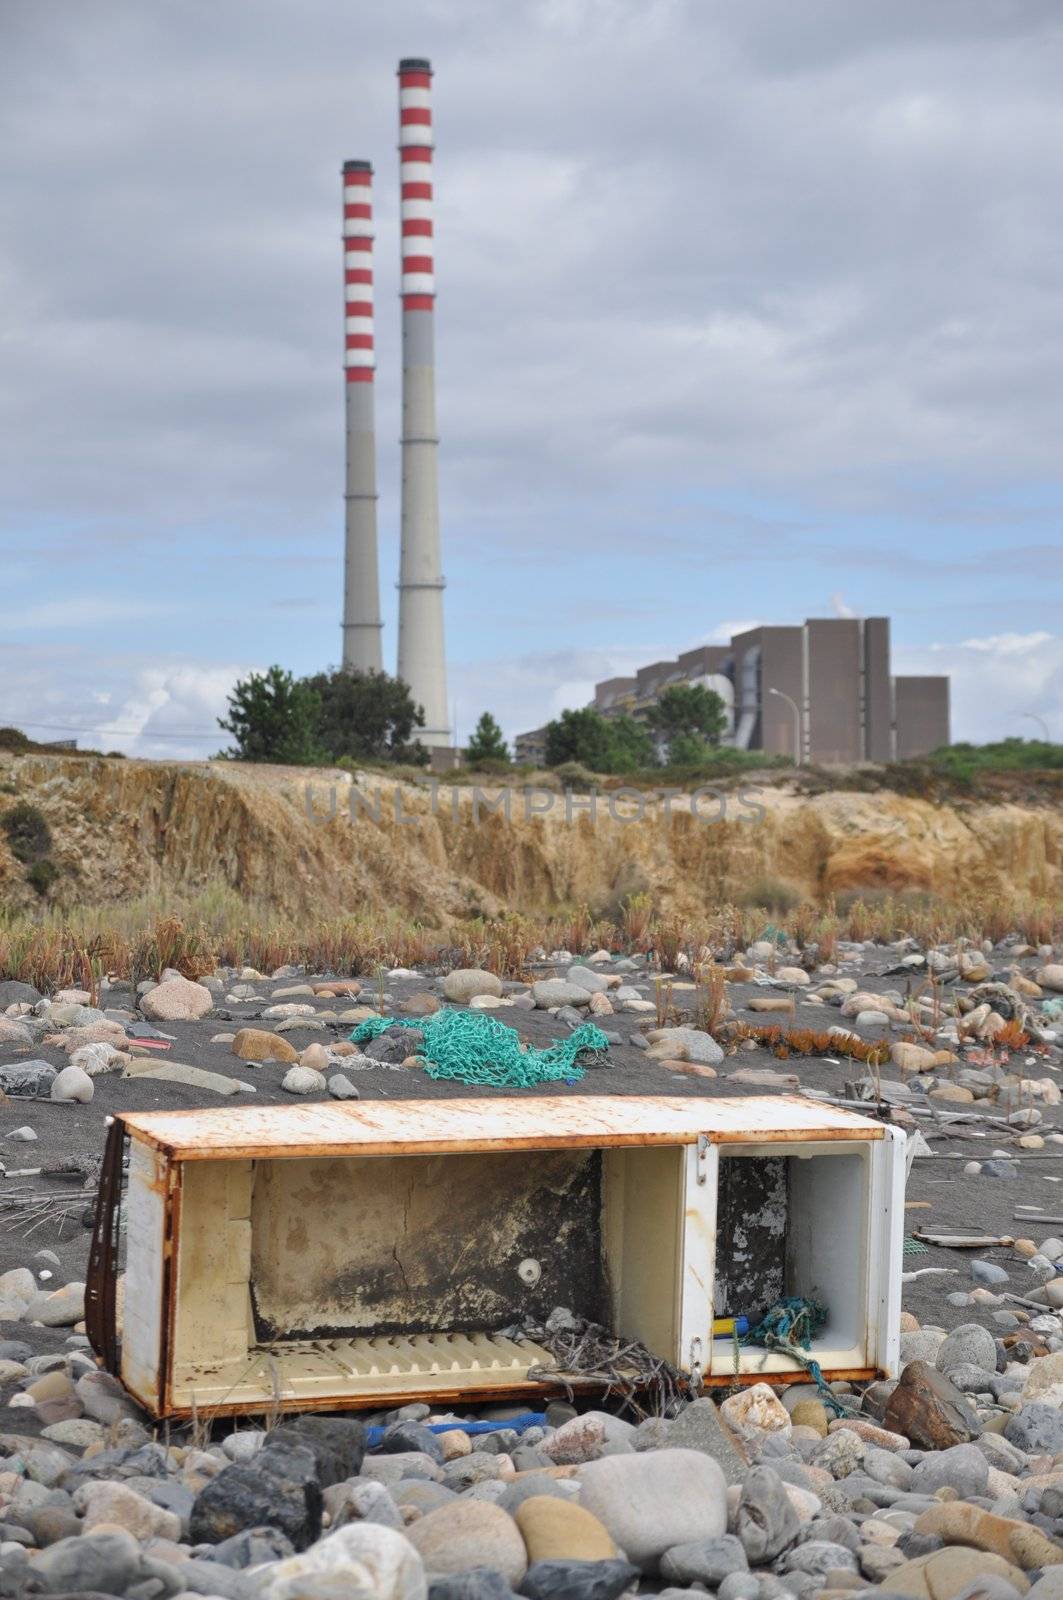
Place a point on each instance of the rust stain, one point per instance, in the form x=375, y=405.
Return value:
x=415, y=1127
x=783, y=1380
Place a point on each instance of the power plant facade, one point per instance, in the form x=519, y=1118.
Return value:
x=361, y=582
x=422, y=651
x=819, y=691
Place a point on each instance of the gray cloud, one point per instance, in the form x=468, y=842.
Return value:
x=694, y=257
x=692, y=238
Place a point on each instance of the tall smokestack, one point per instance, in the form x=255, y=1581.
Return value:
x=422, y=658
x=361, y=586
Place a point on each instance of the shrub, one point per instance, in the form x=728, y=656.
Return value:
x=42, y=875
x=28, y=834
x=772, y=894
x=574, y=775
x=13, y=739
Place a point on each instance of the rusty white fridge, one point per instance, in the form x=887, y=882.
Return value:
x=353, y=1255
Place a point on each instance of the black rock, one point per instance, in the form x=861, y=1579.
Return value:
x=402, y=1436
x=328, y=1465
x=344, y=1436
x=34, y=1078
x=279, y=1487
x=577, y=1580
x=479, y=1583
x=912, y=1544
x=253, y=1546
x=498, y=1444
x=395, y=1044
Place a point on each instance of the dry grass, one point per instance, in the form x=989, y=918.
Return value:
x=216, y=928
x=710, y=997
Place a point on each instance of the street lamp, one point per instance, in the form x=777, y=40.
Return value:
x=797, y=722
x=1041, y=723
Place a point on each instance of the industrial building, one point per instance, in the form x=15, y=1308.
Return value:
x=821, y=690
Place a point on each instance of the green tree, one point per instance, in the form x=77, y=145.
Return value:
x=487, y=743
x=688, y=750
x=604, y=744
x=367, y=716
x=583, y=736
x=632, y=747
x=689, y=708
x=273, y=717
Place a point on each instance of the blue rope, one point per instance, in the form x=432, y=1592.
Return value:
x=521, y=1424
x=789, y=1326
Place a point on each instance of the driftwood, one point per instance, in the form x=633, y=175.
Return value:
x=965, y=1241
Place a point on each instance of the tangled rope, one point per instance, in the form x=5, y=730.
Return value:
x=477, y=1049
x=789, y=1327
x=645, y=1384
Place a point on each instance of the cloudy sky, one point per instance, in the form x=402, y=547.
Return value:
x=746, y=312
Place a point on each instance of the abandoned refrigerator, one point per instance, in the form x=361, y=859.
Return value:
x=343, y=1255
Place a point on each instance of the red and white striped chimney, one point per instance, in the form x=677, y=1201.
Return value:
x=422, y=659
x=361, y=598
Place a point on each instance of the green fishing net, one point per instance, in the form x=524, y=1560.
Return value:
x=473, y=1048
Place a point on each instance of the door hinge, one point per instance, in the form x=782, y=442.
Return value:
x=703, y=1158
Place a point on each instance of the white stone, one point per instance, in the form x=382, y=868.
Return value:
x=654, y=1499
x=176, y=1000
x=467, y=983
x=469, y=1532
x=756, y=1407
x=558, y=992
x=72, y=1084
x=17, y=1288
x=244, y=1444
x=303, y=1080
x=60, y=1309
x=685, y=1044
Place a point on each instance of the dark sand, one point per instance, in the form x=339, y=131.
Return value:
x=956, y=1201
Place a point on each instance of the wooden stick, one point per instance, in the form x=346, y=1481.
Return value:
x=959, y=1241
x=1035, y=1305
